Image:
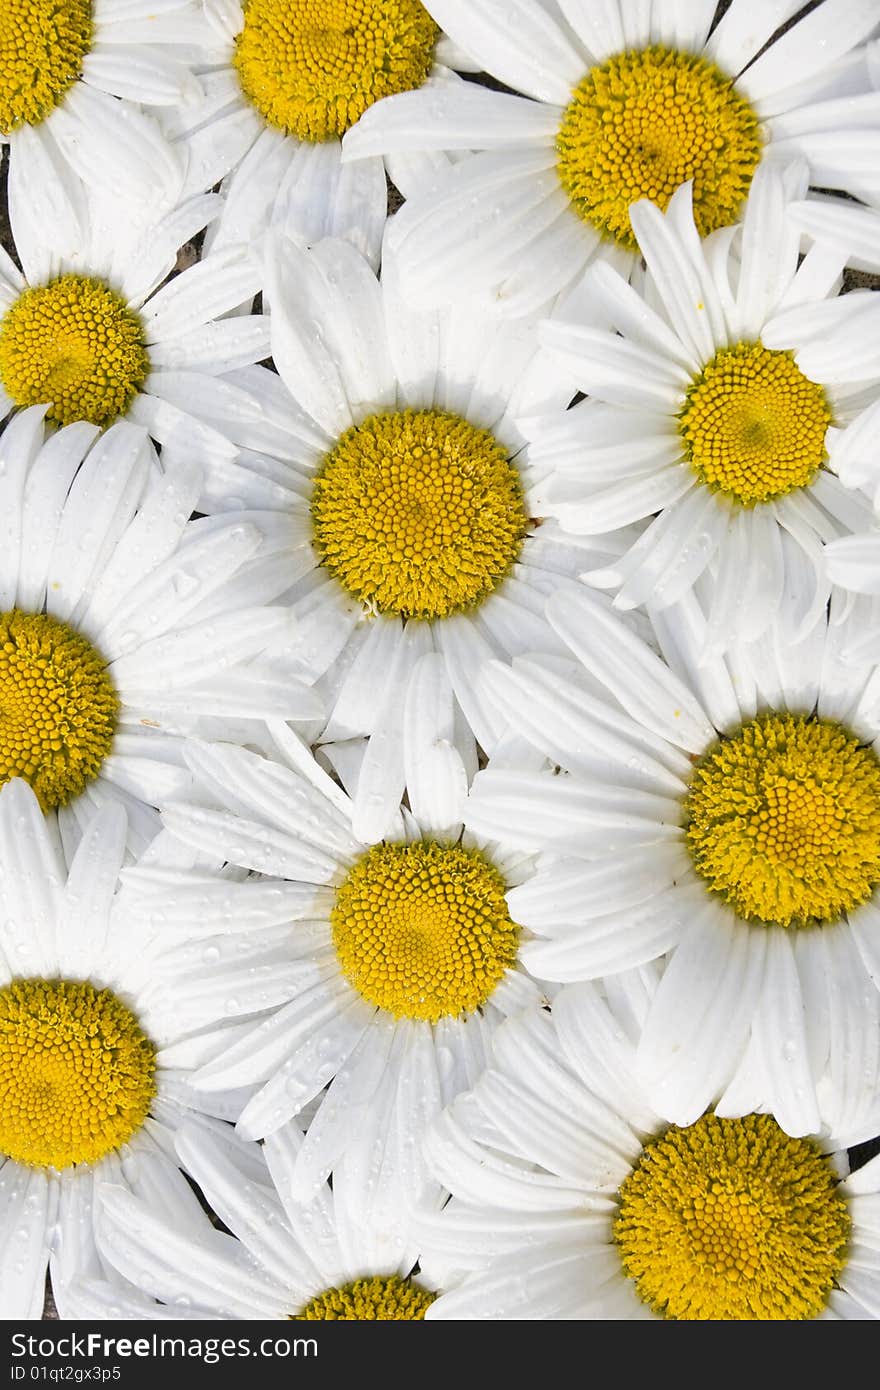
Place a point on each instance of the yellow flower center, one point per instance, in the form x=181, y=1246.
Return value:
x=76, y=1073
x=42, y=45
x=731, y=1220
x=74, y=343
x=423, y=930
x=312, y=67
x=783, y=820
x=753, y=426
x=58, y=707
x=383, y=1298
x=418, y=513
x=642, y=124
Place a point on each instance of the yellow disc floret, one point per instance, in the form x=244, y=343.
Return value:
x=42, y=45
x=783, y=820
x=385, y=1298
x=642, y=124
x=73, y=343
x=58, y=707
x=753, y=426
x=76, y=1073
x=732, y=1220
x=312, y=67
x=418, y=513
x=423, y=930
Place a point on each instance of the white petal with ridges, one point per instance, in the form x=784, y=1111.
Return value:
x=518, y=41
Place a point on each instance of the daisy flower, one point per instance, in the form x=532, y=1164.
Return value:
x=377, y=971
x=400, y=489
x=84, y=1092
x=88, y=326
x=323, y=1259
x=74, y=75
x=573, y=1200
x=725, y=814
x=282, y=81
x=621, y=101
x=123, y=624
x=711, y=409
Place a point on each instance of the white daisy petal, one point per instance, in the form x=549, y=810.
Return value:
x=602, y=948
x=99, y=506
x=323, y=197
x=696, y=527
x=614, y=370
x=864, y=924
x=328, y=1132
x=178, y=587
x=19, y=445
x=183, y=657
x=445, y=117
x=144, y=1248
x=684, y=1055
x=534, y=810
x=346, y=287
x=550, y=262
x=683, y=634
x=90, y=887
x=244, y=1207
x=308, y=1069
x=25, y=1214
x=648, y=690
x=464, y=650
x=298, y=347
x=215, y=347
x=573, y=892
x=598, y=1053
x=216, y=146
x=853, y=228
x=138, y=74
x=479, y=1176
x=48, y=484
x=579, y=732
x=518, y=42
x=365, y=687
x=382, y=775
x=542, y=1292
x=854, y=1060
x=852, y=563
x=863, y=1288
x=248, y=844
x=30, y=888
x=114, y=147
x=688, y=295
x=689, y=24
x=221, y=282
x=495, y=205
x=742, y=31
x=600, y=27
x=811, y=44
x=781, y=1038
x=250, y=784
x=768, y=259
x=148, y=541
x=632, y=316
x=434, y=773
x=44, y=209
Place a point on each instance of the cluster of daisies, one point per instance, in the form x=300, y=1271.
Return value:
x=440, y=659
